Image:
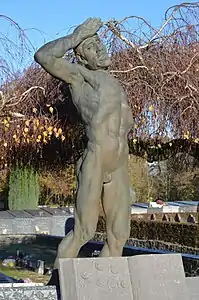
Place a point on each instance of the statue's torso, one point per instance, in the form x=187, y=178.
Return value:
x=105, y=112
x=99, y=105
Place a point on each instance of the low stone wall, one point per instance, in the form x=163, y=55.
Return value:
x=153, y=244
x=28, y=292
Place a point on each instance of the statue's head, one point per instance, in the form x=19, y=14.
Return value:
x=93, y=54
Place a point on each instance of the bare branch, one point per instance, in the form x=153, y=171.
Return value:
x=16, y=115
x=190, y=64
x=129, y=70
x=160, y=30
x=24, y=94
x=111, y=26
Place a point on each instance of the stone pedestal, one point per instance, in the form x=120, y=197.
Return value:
x=157, y=276
x=141, y=277
x=95, y=279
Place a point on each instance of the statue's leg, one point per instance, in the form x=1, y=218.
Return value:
x=116, y=203
x=86, y=210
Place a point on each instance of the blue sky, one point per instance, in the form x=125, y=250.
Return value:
x=52, y=17
x=45, y=20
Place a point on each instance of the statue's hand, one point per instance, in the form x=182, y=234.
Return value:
x=88, y=28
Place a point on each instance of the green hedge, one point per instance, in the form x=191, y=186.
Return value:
x=176, y=233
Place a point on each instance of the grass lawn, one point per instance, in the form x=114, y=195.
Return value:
x=22, y=274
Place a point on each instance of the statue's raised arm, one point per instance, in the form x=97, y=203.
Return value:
x=50, y=56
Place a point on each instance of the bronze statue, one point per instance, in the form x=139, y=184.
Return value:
x=102, y=171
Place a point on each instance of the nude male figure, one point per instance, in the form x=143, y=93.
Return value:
x=102, y=170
